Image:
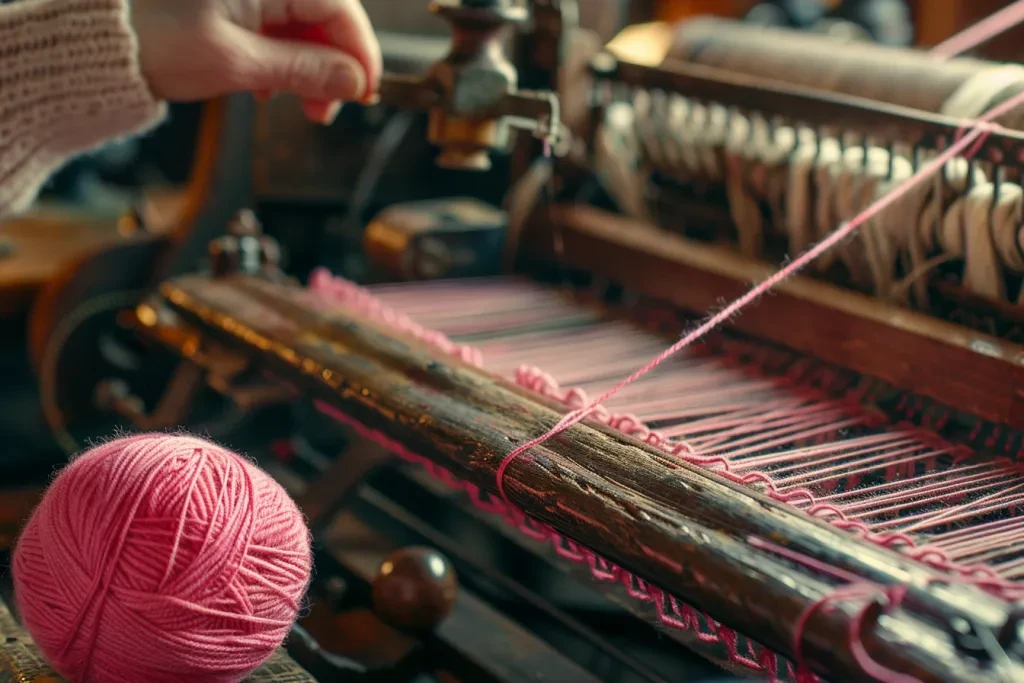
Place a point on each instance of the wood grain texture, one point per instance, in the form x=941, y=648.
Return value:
x=678, y=526
x=963, y=369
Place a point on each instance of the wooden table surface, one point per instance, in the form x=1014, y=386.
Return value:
x=37, y=246
x=34, y=248
x=21, y=662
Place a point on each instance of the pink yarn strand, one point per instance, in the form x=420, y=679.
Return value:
x=970, y=139
x=984, y=30
x=976, y=130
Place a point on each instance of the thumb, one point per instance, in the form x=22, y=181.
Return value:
x=311, y=71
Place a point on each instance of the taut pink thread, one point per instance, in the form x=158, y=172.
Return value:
x=171, y=546
x=895, y=455
x=856, y=588
x=979, y=130
x=575, y=417
x=984, y=30
x=671, y=612
x=436, y=301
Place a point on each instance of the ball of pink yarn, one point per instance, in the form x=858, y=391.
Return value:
x=161, y=558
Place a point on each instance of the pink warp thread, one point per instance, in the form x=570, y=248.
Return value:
x=670, y=611
x=703, y=454
x=968, y=142
x=161, y=558
x=977, y=131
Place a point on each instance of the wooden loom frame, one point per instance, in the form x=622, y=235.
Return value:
x=680, y=527
x=967, y=370
x=675, y=531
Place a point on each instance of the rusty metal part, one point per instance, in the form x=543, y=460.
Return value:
x=244, y=249
x=472, y=96
x=457, y=237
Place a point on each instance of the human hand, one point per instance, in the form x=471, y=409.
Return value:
x=197, y=49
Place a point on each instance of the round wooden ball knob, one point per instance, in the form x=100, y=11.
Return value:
x=414, y=590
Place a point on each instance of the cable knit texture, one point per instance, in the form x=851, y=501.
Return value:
x=69, y=82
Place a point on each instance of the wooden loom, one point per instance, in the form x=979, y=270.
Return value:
x=671, y=523
x=683, y=532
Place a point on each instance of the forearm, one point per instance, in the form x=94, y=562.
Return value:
x=69, y=81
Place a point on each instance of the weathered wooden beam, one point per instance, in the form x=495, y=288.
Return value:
x=959, y=367
x=678, y=526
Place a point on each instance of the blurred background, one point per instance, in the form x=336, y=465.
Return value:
x=920, y=22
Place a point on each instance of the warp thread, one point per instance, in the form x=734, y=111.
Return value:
x=340, y=291
x=968, y=141
x=161, y=557
x=670, y=611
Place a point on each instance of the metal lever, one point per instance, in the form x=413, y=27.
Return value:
x=472, y=96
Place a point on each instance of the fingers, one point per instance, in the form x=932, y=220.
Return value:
x=351, y=31
x=314, y=72
x=319, y=111
x=345, y=25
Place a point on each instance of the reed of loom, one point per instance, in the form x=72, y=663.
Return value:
x=686, y=533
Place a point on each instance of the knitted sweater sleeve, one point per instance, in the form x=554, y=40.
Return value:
x=69, y=81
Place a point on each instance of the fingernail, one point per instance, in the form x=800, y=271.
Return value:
x=331, y=113
x=346, y=82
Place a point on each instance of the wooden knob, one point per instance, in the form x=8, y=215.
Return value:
x=415, y=589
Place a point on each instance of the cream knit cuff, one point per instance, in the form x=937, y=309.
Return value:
x=69, y=82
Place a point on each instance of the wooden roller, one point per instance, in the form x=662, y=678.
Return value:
x=900, y=76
